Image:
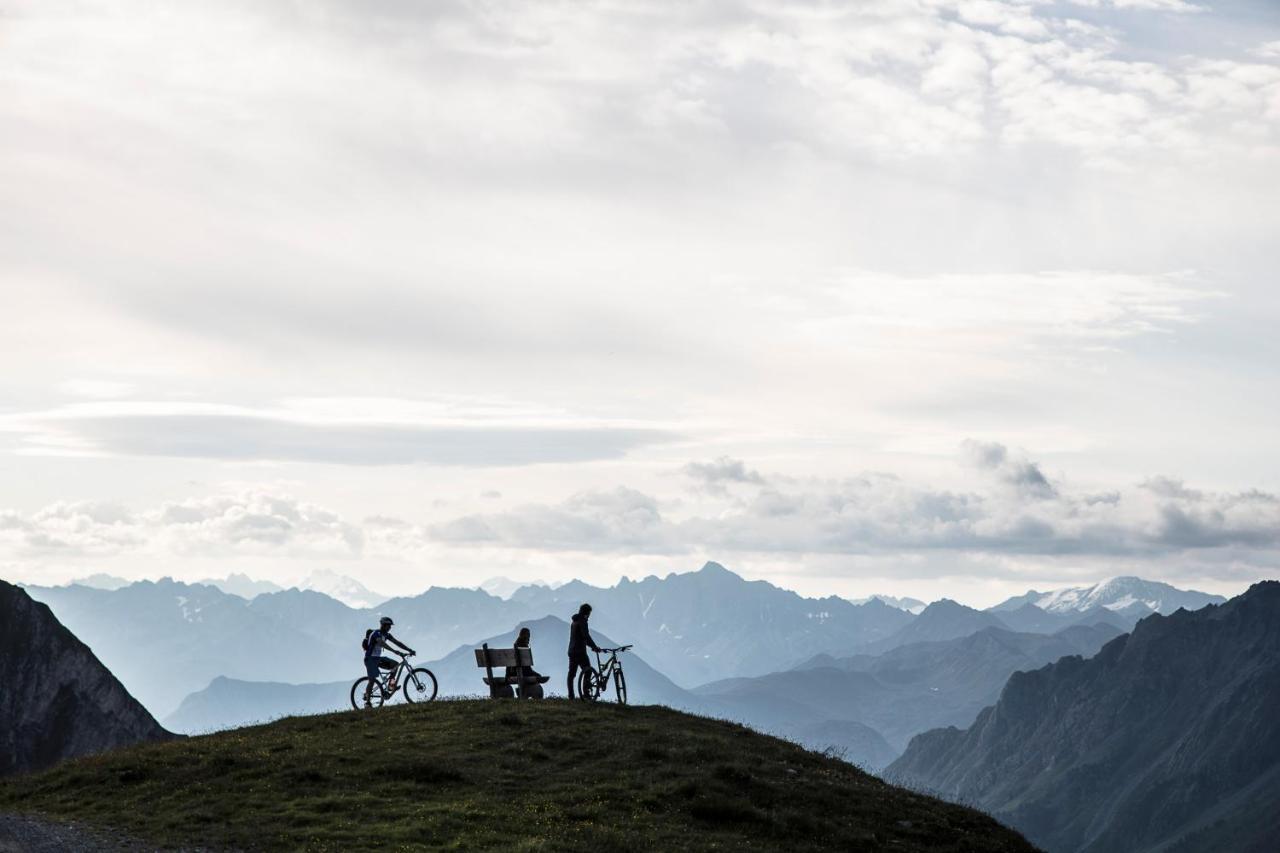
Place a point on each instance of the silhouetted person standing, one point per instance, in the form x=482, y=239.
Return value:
x=579, y=641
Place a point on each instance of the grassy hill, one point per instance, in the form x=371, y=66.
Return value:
x=549, y=775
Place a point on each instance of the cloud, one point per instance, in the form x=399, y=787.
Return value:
x=617, y=519
x=1023, y=475
x=199, y=431
x=254, y=522
x=247, y=523
x=1008, y=522
x=715, y=476
x=1023, y=514
x=1181, y=6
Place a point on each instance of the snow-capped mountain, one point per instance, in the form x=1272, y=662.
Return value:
x=912, y=605
x=504, y=587
x=242, y=585
x=1121, y=594
x=347, y=590
x=100, y=581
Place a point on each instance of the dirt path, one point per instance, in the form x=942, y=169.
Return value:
x=31, y=835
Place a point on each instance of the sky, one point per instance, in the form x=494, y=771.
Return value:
x=921, y=297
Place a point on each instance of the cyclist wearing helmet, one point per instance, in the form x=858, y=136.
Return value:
x=373, y=657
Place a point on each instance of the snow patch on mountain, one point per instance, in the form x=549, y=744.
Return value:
x=345, y=589
x=504, y=587
x=913, y=606
x=241, y=585
x=1121, y=593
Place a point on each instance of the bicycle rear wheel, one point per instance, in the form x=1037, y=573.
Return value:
x=588, y=688
x=419, y=686
x=376, y=696
x=620, y=686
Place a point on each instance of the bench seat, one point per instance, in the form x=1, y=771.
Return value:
x=500, y=686
x=516, y=679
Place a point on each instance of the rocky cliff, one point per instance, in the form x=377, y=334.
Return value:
x=1169, y=738
x=58, y=701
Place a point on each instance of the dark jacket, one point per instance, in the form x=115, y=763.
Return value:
x=526, y=671
x=580, y=637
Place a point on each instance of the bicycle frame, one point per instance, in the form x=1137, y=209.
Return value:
x=606, y=670
x=385, y=676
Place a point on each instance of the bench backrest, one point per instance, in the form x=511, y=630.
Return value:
x=490, y=658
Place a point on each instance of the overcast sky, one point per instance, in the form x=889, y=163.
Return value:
x=927, y=297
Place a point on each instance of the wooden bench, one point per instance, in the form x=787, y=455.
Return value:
x=503, y=686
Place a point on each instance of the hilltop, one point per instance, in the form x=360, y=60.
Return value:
x=549, y=775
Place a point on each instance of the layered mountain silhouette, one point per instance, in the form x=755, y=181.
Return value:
x=1167, y=739
x=200, y=633
x=901, y=692
x=693, y=627
x=58, y=700
x=230, y=702
x=702, y=625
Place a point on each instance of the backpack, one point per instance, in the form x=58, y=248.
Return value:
x=364, y=644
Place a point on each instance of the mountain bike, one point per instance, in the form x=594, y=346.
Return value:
x=419, y=685
x=592, y=684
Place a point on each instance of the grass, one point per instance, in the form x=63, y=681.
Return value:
x=473, y=774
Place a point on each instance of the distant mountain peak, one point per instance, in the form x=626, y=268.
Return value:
x=345, y=589
x=1123, y=593
x=238, y=583
x=504, y=587
x=910, y=605
x=945, y=606
x=100, y=580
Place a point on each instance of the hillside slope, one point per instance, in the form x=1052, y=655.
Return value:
x=58, y=701
x=1169, y=733
x=549, y=775
x=904, y=691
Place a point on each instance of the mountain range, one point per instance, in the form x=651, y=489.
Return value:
x=58, y=700
x=1168, y=739
x=693, y=627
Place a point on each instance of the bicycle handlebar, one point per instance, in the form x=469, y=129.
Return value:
x=618, y=649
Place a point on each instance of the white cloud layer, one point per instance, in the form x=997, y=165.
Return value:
x=501, y=270
x=1009, y=511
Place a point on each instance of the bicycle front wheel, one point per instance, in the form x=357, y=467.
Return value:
x=419, y=686
x=365, y=694
x=620, y=686
x=588, y=689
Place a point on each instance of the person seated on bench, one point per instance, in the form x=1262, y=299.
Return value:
x=522, y=642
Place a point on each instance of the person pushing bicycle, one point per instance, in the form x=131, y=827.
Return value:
x=579, y=641
x=374, y=642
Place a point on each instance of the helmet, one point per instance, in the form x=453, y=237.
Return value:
x=386, y=622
